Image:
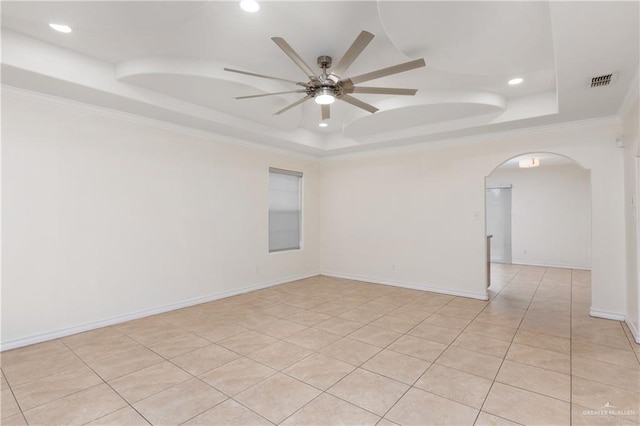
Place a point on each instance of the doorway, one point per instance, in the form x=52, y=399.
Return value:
x=538, y=209
x=498, y=214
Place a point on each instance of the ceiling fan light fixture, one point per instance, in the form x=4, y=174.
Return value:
x=515, y=81
x=325, y=97
x=251, y=6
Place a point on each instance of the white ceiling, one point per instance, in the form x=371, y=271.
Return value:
x=165, y=60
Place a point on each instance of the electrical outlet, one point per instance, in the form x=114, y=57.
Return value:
x=393, y=267
x=524, y=251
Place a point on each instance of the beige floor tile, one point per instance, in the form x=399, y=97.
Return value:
x=434, y=333
x=219, y=331
x=486, y=419
x=204, y=359
x=412, y=313
x=329, y=410
x=308, y=318
x=277, y=397
x=605, y=354
x=471, y=362
x=178, y=344
x=370, y=391
x=542, y=358
x=313, y=339
x=179, y=403
x=280, y=328
x=148, y=381
x=9, y=406
x=491, y=330
x=15, y=420
x=124, y=417
x=418, y=407
x=229, y=413
x=34, y=362
x=319, y=371
x=237, y=375
x=457, y=385
x=339, y=326
x=3, y=381
x=361, y=315
x=535, y=379
x=97, y=337
x=526, y=407
x=50, y=388
x=245, y=343
x=78, y=408
x=417, y=347
x=397, y=366
x=112, y=365
x=598, y=396
x=448, y=321
x=399, y=325
x=280, y=355
x=583, y=416
x=543, y=341
x=350, y=351
x=385, y=422
x=482, y=344
x=375, y=336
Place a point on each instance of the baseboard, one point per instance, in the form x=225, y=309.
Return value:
x=550, y=265
x=633, y=329
x=607, y=315
x=55, y=334
x=480, y=296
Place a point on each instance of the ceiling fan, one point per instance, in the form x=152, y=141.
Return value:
x=327, y=87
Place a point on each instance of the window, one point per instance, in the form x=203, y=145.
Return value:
x=285, y=210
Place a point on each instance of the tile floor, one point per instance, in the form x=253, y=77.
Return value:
x=333, y=351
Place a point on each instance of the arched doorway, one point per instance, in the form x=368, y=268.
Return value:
x=538, y=209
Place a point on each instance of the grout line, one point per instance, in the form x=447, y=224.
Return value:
x=512, y=339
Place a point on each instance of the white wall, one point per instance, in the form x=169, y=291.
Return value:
x=550, y=214
x=632, y=220
x=104, y=217
x=422, y=210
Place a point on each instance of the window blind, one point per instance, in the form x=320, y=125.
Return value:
x=285, y=209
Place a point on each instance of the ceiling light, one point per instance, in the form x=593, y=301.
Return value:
x=325, y=97
x=515, y=81
x=529, y=162
x=323, y=124
x=250, y=6
x=61, y=27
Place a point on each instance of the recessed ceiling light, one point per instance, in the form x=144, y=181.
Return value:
x=60, y=27
x=323, y=124
x=515, y=81
x=250, y=6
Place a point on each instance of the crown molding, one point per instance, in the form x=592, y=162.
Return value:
x=468, y=140
x=631, y=97
x=77, y=106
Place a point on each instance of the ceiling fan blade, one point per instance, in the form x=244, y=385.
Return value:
x=288, y=50
x=252, y=74
x=326, y=111
x=296, y=103
x=270, y=94
x=363, y=39
x=382, y=90
x=357, y=102
x=407, y=66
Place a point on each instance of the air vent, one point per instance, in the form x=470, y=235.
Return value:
x=604, y=80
